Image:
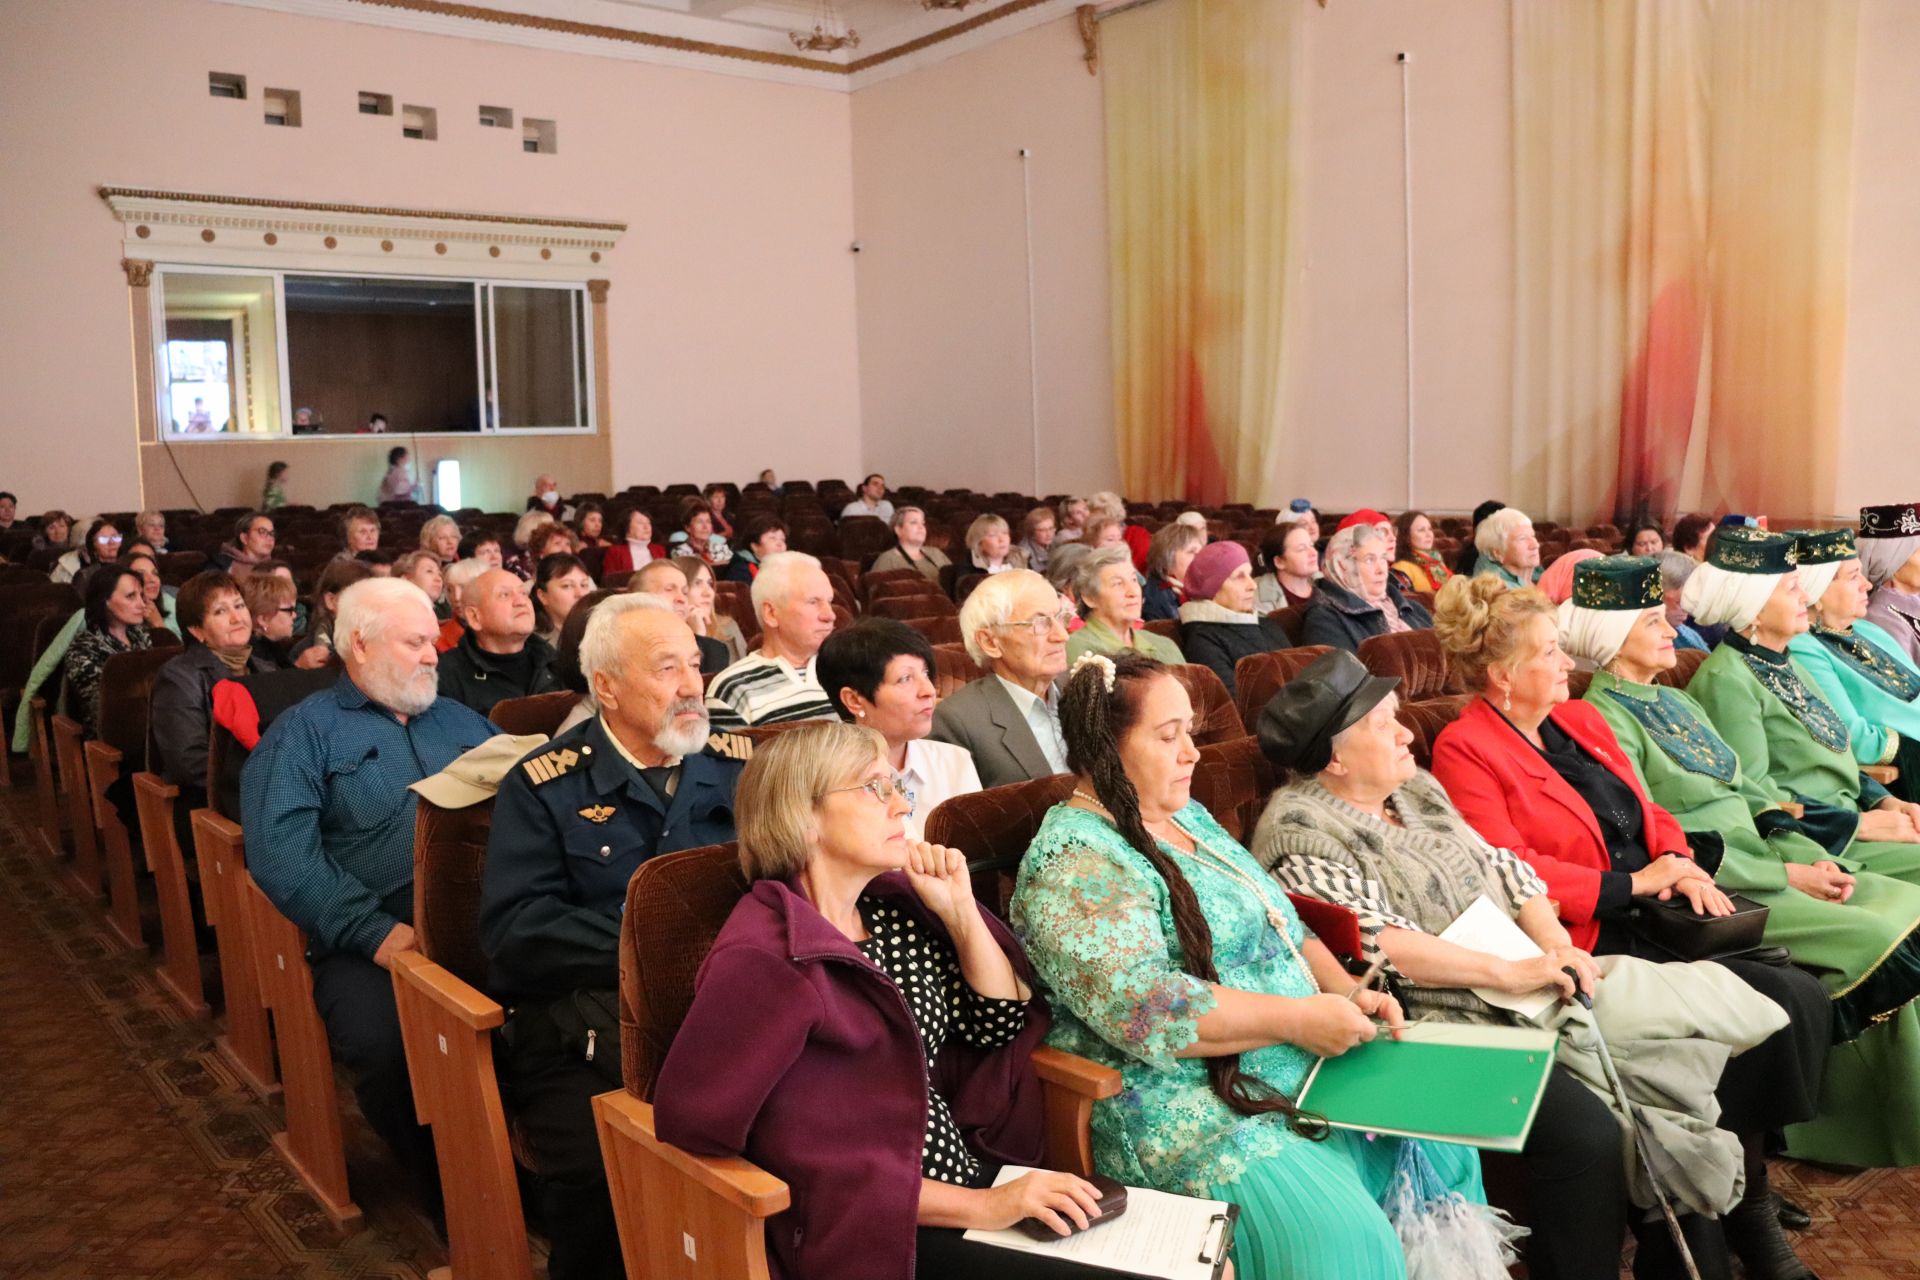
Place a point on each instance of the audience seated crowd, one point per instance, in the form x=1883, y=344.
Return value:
x=1781, y=777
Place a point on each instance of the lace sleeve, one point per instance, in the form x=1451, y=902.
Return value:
x=1092, y=928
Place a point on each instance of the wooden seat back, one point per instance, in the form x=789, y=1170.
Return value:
x=76, y=799
x=312, y=1143
x=447, y=1026
x=126, y=683
x=155, y=801
x=220, y=855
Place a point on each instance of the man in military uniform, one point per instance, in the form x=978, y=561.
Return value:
x=571, y=824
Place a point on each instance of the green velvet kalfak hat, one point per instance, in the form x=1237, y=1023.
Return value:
x=1616, y=583
x=1743, y=550
x=1825, y=546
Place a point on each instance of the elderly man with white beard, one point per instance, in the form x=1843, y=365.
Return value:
x=571, y=824
x=329, y=825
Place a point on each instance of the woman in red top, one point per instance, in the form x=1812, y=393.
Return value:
x=632, y=531
x=1545, y=778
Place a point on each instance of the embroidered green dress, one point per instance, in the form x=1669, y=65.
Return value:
x=1764, y=705
x=1097, y=924
x=1874, y=687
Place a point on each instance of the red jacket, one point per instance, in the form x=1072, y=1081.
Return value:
x=619, y=559
x=801, y=1055
x=1514, y=799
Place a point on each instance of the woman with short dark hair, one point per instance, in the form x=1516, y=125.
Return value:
x=558, y=583
x=697, y=535
x=879, y=672
x=218, y=628
x=630, y=543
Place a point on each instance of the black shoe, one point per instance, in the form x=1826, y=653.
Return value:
x=1754, y=1235
x=1792, y=1216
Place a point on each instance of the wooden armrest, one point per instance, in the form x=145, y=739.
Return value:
x=740, y=1183
x=108, y=756
x=1884, y=774
x=155, y=785
x=1075, y=1074
x=473, y=1008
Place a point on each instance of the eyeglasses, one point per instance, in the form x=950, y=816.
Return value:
x=288, y=608
x=1042, y=624
x=881, y=789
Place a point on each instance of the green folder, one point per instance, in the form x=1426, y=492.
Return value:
x=1451, y=1082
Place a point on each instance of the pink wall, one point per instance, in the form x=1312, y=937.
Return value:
x=943, y=322
x=1880, y=433
x=731, y=309
x=946, y=375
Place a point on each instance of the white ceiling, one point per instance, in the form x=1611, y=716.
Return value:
x=881, y=23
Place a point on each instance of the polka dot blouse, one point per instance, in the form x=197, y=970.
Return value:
x=922, y=964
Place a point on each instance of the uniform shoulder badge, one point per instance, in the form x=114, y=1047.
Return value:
x=548, y=765
x=733, y=746
x=597, y=812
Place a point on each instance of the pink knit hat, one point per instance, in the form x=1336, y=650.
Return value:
x=1214, y=564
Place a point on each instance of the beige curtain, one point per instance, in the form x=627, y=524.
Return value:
x=1682, y=186
x=1200, y=124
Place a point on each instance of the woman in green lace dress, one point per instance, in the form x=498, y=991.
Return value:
x=1170, y=956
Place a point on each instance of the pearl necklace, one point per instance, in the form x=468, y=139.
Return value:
x=1211, y=857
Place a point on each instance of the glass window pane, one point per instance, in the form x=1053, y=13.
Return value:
x=364, y=345
x=534, y=346
x=220, y=361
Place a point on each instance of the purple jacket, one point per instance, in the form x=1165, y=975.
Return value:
x=802, y=1056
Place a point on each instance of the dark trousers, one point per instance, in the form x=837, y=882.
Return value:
x=1777, y=1082
x=1577, y=1196
x=548, y=1089
x=355, y=999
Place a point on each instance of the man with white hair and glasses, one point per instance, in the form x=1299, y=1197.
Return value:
x=572, y=822
x=1015, y=625
x=329, y=824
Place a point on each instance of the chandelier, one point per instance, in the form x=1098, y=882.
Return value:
x=828, y=35
x=955, y=5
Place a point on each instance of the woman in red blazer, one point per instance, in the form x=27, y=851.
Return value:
x=631, y=530
x=1545, y=777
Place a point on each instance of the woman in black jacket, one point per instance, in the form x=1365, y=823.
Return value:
x=220, y=643
x=1218, y=625
x=1358, y=597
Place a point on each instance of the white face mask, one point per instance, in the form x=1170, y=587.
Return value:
x=550, y=497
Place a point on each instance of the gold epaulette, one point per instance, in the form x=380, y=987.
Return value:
x=548, y=765
x=734, y=746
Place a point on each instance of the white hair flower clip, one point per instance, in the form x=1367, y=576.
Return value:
x=1100, y=660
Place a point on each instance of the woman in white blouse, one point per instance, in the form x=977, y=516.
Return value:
x=879, y=673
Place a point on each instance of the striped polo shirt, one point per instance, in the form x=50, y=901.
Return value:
x=763, y=690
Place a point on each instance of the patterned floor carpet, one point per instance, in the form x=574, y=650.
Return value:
x=128, y=1148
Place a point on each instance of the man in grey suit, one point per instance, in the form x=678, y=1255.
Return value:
x=1015, y=625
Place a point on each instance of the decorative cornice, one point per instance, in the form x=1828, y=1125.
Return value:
x=599, y=31
x=941, y=36
x=115, y=195
x=139, y=272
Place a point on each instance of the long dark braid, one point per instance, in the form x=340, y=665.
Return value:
x=1093, y=722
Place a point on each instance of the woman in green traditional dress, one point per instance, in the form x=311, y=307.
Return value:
x=1169, y=954
x=1862, y=671
x=1764, y=704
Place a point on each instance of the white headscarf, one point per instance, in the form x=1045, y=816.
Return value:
x=1716, y=596
x=1881, y=558
x=1816, y=578
x=1595, y=633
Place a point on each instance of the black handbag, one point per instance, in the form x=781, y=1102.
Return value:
x=1673, y=928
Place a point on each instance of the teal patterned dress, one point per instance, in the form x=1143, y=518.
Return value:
x=1097, y=924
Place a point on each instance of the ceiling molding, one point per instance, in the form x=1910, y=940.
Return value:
x=685, y=39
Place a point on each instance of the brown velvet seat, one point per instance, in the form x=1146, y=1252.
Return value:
x=993, y=828
x=1214, y=716
x=538, y=714
x=1232, y=782
x=1259, y=676
x=1416, y=658
x=1577, y=682
x=701, y=1218
x=892, y=583
x=863, y=536
x=23, y=607
x=1167, y=628
x=1426, y=719
x=955, y=668
x=913, y=605
x=1292, y=620
x=449, y=856
x=939, y=629
x=1685, y=663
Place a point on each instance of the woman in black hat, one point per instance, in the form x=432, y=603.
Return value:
x=1359, y=825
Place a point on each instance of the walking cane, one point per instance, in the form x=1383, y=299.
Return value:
x=1639, y=1134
